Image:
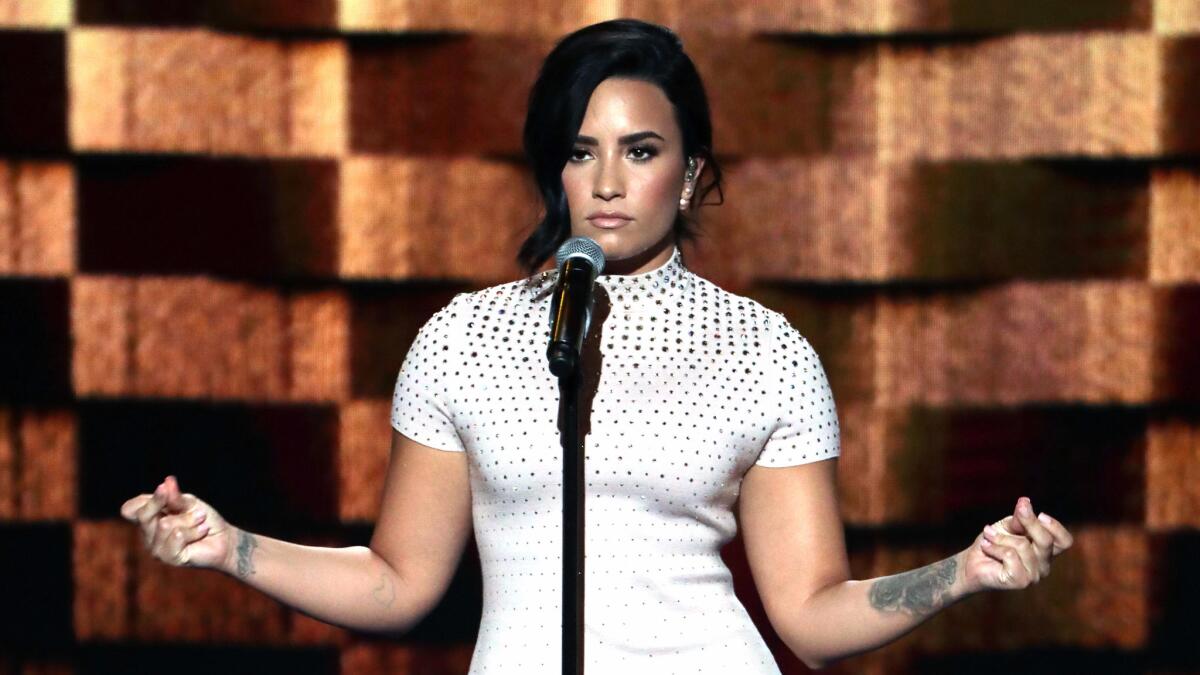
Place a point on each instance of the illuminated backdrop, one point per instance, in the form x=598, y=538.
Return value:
x=222, y=222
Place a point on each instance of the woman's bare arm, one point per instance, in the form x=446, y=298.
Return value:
x=423, y=526
x=796, y=548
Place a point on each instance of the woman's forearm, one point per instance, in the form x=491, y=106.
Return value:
x=854, y=616
x=351, y=587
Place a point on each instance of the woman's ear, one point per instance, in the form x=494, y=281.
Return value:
x=689, y=184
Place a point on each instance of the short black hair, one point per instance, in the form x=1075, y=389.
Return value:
x=559, y=98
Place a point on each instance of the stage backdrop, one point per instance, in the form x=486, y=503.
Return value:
x=222, y=222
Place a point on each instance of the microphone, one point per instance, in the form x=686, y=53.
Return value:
x=580, y=260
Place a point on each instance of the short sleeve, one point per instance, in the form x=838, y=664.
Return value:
x=806, y=423
x=419, y=408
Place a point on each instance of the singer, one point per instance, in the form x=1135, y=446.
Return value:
x=702, y=412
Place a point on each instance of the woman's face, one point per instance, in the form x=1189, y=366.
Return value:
x=628, y=158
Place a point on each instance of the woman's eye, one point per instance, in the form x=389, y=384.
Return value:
x=647, y=151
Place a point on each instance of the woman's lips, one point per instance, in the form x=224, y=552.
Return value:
x=609, y=223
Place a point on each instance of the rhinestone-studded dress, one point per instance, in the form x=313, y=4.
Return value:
x=686, y=386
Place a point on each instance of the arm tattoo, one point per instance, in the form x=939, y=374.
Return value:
x=918, y=592
x=385, y=593
x=245, y=550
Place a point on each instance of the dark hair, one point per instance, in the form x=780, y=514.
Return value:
x=559, y=98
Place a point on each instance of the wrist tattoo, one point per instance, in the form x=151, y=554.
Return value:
x=918, y=592
x=245, y=550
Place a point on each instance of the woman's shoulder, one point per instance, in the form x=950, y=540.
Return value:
x=741, y=308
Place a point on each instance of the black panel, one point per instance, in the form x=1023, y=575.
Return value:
x=35, y=340
x=35, y=566
x=261, y=467
x=205, y=660
x=33, y=91
x=257, y=219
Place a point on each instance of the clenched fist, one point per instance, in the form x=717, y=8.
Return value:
x=180, y=529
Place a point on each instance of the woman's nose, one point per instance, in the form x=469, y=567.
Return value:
x=608, y=181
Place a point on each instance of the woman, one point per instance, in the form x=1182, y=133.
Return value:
x=695, y=402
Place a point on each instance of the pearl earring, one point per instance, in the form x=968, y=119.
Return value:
x=691, y=174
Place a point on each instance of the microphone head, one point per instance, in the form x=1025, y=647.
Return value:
x=581, y=247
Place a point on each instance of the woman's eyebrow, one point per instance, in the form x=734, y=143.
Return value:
x=624, y=140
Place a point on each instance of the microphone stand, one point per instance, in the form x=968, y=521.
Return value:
x=565, y=361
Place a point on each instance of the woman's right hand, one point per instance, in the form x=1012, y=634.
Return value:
x=180, y=529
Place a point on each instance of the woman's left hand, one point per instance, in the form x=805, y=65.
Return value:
x=1015, y=552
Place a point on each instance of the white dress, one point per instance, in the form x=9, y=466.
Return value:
x=695, y=385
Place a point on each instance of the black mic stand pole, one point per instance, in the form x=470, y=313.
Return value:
x=565, y=364
x=572, y=518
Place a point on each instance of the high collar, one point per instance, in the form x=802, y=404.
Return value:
x=627, y=291
x=667, y=275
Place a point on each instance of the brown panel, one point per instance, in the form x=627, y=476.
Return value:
x=319, y=333
x=48, y=475
x=545, y=17
x=196, y=337
x=893, y=16
x=837, y=218
x=1173, y=474
x=174, y=353
x=1017, y=343
x=363, y=454
x=1176, y=16
x=103, y=577
x=102, y=331
x=37, y=218
x=1174, y=228
x=193, y=90
x=40, y=14
x=1181, y=94
x=1090, y=95
x=768, y=96
x=407, y=96
x=199, y=338
x=382, y=659
x=37, y=465
x=785, y=96
x=433, y=218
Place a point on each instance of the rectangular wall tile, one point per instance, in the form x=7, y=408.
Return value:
x=546, y=17
x=103, y=573
x=198, y=91
x=1090, y=95
x=363, y=455
x=1176, y=16
x=37, y=218
x=1173, y=474
x=39, y=14
x=1018, y=343
x=850, y=17
x=1174, y=227
x=836, y=218
x=429, y=218
x=319, y=333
